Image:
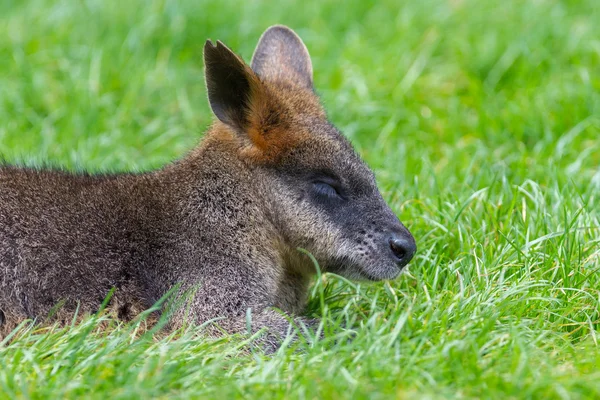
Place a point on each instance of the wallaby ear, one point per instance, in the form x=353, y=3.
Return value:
x=282, y=56
x=231, y=85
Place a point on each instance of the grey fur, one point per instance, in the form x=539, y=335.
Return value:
x=227, y=219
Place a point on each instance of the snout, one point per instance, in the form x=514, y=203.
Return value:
x=402, y=247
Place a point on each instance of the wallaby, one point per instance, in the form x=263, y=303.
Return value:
x=271, y=176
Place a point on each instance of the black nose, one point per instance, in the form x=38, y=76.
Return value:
x=403, y=249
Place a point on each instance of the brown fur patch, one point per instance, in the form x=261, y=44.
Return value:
x=272, y=126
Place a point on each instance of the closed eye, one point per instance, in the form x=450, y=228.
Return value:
x=326, y=190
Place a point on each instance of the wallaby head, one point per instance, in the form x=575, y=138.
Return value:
x=319, y=194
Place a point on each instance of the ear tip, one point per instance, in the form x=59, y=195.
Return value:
x=283, y=34
x=208, y=46
x=217, y=50
x=281, y=31
x=222, y=46
x=280, y=28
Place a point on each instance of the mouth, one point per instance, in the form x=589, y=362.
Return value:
x=346, y=267
x=387, y=275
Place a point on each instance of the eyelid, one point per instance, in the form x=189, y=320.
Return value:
x=333, y=184
x=328, y=179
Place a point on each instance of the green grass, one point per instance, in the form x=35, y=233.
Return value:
x=481, y=120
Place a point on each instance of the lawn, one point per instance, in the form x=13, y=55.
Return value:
x=481, y=120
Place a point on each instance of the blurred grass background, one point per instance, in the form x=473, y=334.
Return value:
x=481, y=120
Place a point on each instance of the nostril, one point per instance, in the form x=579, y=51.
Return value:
x=402, y=249
x=398, y=248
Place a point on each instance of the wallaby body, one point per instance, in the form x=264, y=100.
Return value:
x=271, y=175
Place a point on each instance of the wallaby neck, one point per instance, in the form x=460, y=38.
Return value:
x=225, y=202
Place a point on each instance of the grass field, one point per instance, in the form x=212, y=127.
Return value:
x=481, y=120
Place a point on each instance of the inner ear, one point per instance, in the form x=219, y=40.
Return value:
x=282, y=56
x=231, y=85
